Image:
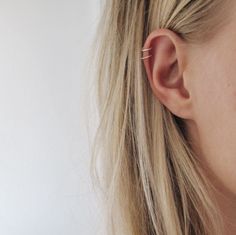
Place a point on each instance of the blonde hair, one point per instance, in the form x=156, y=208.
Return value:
x=153, y=182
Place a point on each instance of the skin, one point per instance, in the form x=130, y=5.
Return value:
x=198, y=84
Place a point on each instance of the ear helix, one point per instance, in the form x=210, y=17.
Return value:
x=146, y=50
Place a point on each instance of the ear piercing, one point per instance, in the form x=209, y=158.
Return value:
x=146, y=50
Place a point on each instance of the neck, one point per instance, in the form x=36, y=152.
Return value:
x=225, y=198
x=227, y=204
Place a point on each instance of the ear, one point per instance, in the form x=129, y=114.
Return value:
x=165, y=71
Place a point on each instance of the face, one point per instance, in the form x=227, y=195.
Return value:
x=212, y=73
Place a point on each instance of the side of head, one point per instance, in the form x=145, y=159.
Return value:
x=159, y=119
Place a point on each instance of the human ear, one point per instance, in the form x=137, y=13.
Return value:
x=165, y=71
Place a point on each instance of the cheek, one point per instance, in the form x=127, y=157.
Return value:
x=216, y=121
x=212, y=70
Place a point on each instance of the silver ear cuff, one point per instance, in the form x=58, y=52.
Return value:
x=146, y=50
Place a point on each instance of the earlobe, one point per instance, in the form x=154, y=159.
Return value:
x=165, y=69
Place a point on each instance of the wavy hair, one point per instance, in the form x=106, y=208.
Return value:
x=151, y=179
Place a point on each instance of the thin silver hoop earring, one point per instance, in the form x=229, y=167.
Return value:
x=146, y=50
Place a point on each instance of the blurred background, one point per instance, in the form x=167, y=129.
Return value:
x=45, y=186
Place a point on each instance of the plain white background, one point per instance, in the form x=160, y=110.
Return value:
x=44, y=153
